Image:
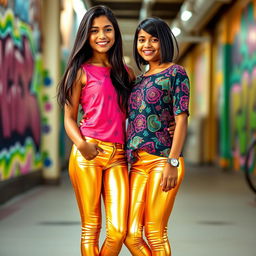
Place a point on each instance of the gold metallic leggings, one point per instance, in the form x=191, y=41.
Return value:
x=150, y=207
x=106, y=174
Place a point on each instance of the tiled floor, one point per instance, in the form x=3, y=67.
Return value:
x=214, y=214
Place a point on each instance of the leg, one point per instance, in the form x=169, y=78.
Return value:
x=86, y=179
x=116, y=200
x=159, y=205
x=138, y=184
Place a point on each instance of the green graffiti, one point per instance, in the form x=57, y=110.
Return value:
x=243, y=89
x=9, y=26
x=15, y=161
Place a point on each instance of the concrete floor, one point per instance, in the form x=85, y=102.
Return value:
x=214, y=214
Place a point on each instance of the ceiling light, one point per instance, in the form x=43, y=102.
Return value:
x=176, y=31
x=186, y=15
x=187, y=10
x=176, y=27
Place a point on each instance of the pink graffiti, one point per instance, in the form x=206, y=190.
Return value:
x=19, y=108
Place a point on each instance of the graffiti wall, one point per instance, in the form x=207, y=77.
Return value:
x=243, y=84
x=234, y=83
x=220, y=92
x=21, y=81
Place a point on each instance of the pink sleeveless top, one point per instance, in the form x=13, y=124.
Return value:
x=103, y=118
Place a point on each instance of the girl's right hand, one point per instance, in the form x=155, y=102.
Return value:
x=171, y=128
x=89, y=150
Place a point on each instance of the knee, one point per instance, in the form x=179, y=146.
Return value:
x=133, y=240
x=155, y=239
x=129, y=239
x=121, y=234
x=117, y=234
x=158, y=241
x=90, y=230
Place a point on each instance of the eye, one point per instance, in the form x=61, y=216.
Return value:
x=94, y=31
x=140, y=40
x=155, y=40
x=109, y=29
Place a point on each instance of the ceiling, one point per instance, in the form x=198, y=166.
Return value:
x=132, y=9
x=130, y=12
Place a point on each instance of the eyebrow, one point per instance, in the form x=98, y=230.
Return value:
x=150, y=37
x=107, y=26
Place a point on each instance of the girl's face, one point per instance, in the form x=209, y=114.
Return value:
x=148, y=47
x=102, y=35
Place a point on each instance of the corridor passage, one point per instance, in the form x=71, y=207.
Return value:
x=214, y=215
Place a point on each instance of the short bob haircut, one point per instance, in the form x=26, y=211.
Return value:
x=159, y=29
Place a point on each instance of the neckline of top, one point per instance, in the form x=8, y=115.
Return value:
x=89, y=64
x=166, y=69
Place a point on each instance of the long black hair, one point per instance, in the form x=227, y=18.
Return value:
x=82, y=51
x=159, y=29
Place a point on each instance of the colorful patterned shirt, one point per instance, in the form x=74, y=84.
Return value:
x=154, y=101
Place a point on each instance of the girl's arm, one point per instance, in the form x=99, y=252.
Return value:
x=179, y=135
x=88, y=150
x=71, y=110
x=180, y=92
x=170, y=173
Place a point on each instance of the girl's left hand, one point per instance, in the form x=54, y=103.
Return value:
x=169, y=177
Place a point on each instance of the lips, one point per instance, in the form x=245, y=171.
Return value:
x=102, y=43
x=148, y=52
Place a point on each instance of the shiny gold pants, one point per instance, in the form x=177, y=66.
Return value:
x=107, y=175
x=150, y=207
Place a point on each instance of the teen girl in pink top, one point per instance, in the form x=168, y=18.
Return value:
x=97, y=79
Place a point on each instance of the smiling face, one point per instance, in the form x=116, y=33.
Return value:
x=148, y=47
x=102, y=35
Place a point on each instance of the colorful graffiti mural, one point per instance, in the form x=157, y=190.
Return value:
x=21, y=80
x=243, y=86
x=219, y=101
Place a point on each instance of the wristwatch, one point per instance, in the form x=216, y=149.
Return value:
x=173, y=162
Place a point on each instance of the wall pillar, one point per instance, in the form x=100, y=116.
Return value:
x=51, y=118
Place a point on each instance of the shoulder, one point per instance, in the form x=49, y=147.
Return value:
x=81, y=76
x=180, y=79
x=179, y=70
x=79, y=80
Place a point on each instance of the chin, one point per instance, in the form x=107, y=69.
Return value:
x=148, y=59
x=102, y=50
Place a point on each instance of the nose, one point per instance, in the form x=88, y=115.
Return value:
x=147, y=44
x=102, y=34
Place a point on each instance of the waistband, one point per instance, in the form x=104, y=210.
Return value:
x=105, y=143
x=141, y=153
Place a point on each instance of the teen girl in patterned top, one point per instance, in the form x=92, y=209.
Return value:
x=159, y=97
